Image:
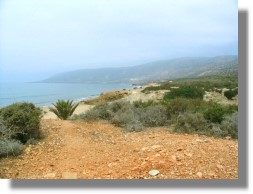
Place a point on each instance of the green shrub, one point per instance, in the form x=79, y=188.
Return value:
x=63, y=109
x=118, y=105
x=217, y=131
x=141, y=104
x=128, y=120
x=23, y=119
x=132, y=117
x=230, y=125
x=192, y=123
x=231, y=93
x=217, y=112
x=180, y=105
x=153, y=116
x=104, y=111
x=185, y=92
x=208, y=83
x=151, y=88
x=5, y=132
x=177, y=106
x=10, y=147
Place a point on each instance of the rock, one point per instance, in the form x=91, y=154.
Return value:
x=199, y=174
x=202, y=140
x=228, y=137
x=143, y=163
x=179, y=149
x=211, y=174
x=219, y=166
x=112, y=164
x=179, y=157
x=50, y=175
x=69, y=175
x=156, y=147
x=153, y=172
x=188, y=154
x=145, y=149
x=173, y=158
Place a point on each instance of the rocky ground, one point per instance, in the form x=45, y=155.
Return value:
x=80, y=150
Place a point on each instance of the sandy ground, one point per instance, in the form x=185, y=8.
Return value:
x=137, y=95
x=99, y=150
x=132, y=95
x=80, y=109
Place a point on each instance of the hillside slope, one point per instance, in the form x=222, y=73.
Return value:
x=158, y=70
x=81, y=150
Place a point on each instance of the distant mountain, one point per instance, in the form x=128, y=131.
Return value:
x=155, y=71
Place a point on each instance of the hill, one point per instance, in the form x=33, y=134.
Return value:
x=187, y=67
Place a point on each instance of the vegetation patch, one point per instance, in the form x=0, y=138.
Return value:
x=183, y=108
x=132, y=117
x=217, y=112
x=23, y=121
x=189, y=122
x=231, y=93
x=63, y=109
x=210, y=83
x=185, y=92
x=106, y=97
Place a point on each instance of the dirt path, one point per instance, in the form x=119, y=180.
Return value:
x=101, y=150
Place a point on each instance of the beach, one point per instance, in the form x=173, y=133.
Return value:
x=134, y=94
x=81, y=108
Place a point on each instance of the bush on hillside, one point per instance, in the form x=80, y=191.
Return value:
x=217, y=112
x=132, y=117
x=10, y=147
x=231, y=93
x=189, y=122
x=177, y=106
x=23, y=119
x=153, y=116
x=129, y=120
x=141, y=104
x=230, y=125
x=185, y=92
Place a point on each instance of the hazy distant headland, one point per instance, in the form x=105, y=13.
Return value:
x=187, y=67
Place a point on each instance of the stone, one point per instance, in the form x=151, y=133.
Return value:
x=188, y=154
x=199, y=174
x=211, y=174
x=153, y=172
x=156, y=147
x=50, y=175
x=173, y=158
x=219, y=166
x=202, y=140
x=69, y=175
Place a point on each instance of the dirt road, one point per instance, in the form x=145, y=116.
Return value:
x=80, y=150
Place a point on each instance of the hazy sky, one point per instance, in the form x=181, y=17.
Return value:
x=40, y=38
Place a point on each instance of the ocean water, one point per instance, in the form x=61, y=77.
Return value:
x=44, y=94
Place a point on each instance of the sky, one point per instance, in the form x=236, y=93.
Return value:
x=41, y=38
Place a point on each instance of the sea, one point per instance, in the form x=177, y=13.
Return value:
x=44, y=94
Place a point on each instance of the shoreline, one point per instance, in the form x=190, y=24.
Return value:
x=81, y=108
x=131, y=94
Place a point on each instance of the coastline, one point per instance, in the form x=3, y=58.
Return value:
x=81, y=108
x=132, y=94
